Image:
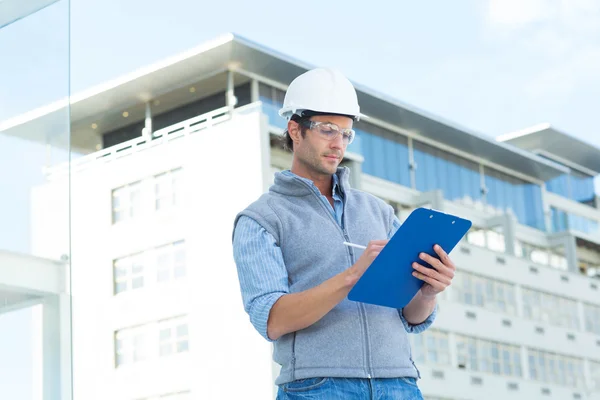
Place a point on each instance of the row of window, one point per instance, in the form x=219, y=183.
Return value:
x=483, y=292
x=554, y=368
x=472, y=289
x=151, y=341
x=549, y=308
x=151, y=267
x=575, y=186
x=489, y=357
x=495, y=241
x=479, y=355
x=387, y=155
x=158, y=193
x=563, y=221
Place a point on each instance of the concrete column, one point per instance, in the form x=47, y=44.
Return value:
x=567, y=240
x=453, y=349
x=355, y=173
x=56, y=348
x=508, y=222
x=412, y=165
x=254, y=93
x=230, y=99
x=148, y=122
x=519, y=301
x=547, y=210
x=581, y=315
x=524, y=362
x=434, y=197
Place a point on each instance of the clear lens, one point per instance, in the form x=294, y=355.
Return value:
x=331, y=131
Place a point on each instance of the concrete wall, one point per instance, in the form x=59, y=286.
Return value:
x=222, y=173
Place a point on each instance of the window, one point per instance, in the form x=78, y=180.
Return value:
x=458, y=177
x=554, y=257
x=590, y=269
x=170, y=262
x=132, y=201
x=131, y=345
x=495, y=241
x=476, y=236
x=166, y=190
x=562, y=221
x=491, y=239
x=173, y=336
x=476, y=290
x=272, y=100
x=150, y=341
x=126, y=202
x=431, y=347
x=592, y=318
x=595, y=375
x=551, y=309
x=524, y=199
x=129, y=273
x=158, y=265
x=490, y=357
x=575, y=186
x=385, y=153
x=554, y=368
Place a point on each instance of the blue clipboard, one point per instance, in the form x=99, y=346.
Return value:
x=388, y=281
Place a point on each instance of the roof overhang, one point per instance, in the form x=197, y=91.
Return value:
x=14, y=10
x=548, y=141
x=231, y=52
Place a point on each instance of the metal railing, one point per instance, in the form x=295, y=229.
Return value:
x=160, y=137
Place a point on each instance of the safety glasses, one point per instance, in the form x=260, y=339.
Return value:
x=330, y=131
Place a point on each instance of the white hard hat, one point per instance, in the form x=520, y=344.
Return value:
x=321, y=90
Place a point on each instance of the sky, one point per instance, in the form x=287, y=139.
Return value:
x=492, y=66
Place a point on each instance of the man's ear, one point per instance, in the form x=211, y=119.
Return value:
x=294, y=131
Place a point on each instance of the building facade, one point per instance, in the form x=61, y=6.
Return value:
x=171, y=153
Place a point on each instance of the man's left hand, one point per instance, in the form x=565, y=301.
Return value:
x=438, y=278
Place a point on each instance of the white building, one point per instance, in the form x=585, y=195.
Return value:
x=173, y=151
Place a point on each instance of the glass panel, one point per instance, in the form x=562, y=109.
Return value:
x=272, y=101
x=385, y=153
x=35, y=314
x=524, y=199
x=459, y=178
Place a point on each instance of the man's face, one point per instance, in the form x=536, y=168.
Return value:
x=318, y=154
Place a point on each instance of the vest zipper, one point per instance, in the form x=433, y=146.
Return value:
x=361, y=308
x=294, y=357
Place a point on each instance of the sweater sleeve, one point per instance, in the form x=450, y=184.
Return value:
x=261, y=271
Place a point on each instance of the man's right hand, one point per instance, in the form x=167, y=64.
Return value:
x=365, y=260
x=295, y=311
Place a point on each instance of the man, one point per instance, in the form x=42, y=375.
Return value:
x=295, y=272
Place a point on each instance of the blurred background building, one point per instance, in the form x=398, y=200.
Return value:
x=163, y=159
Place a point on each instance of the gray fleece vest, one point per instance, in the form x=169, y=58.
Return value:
x=354, y=340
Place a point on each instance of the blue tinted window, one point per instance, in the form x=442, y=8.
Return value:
x=575, y=186
x=559, y=185
x=562, y=221
x=385, y=153
x=523, y=198
x=272, y=100
x=457, y=177
x=582, y=187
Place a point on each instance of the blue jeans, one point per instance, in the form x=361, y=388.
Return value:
x=350, y=389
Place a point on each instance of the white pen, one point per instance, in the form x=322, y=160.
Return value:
x=358, y=246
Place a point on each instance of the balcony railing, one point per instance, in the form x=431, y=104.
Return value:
x=183, y=128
